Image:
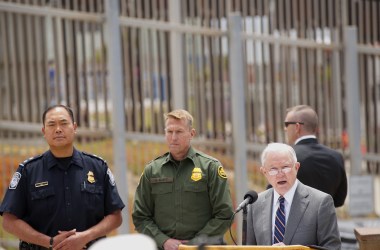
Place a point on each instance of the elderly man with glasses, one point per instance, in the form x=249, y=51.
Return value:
x=290, y=213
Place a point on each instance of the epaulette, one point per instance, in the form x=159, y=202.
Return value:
x=94, y=156
x=159, y=157
x=31, y=159
x=206, y=156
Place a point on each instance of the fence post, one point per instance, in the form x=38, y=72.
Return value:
x=360, y=197
x=337, y=84
x=352, y=98
x=176, y=58
x=115, y=81
x=236, y=67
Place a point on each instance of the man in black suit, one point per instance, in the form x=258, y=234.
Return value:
x=321, y=167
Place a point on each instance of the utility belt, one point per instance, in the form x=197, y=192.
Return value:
x=28, y=246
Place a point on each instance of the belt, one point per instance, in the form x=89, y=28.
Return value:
x=28, y=246
x=23, y=245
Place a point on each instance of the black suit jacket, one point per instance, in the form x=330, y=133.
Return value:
x=322, y=168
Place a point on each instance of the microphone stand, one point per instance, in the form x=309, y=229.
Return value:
x=244, y=233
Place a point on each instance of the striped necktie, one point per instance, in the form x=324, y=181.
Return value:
x=279, y=223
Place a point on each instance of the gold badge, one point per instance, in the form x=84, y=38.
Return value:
x=196, y=175
x=221, y=172
x=90, y=177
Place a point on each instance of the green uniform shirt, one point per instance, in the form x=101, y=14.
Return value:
x=182, y=200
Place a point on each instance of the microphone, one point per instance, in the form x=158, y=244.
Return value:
x=249, y=198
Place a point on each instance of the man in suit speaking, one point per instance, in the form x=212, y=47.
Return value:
x=290, y=213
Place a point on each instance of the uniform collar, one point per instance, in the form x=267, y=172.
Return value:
x=52, y=160
x=190, y=154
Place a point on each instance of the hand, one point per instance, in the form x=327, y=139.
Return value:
x=61, y=236
x=75, y=241
x=172, y=244
x=279, y=244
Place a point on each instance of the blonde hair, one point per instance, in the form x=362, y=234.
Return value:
x=180, y=114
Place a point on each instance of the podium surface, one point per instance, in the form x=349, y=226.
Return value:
x=368, y=238
x=232, y=247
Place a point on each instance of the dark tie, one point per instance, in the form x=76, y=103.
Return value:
x=279, y=223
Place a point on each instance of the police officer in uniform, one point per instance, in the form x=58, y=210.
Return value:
x=64, y=198
x=183, y=194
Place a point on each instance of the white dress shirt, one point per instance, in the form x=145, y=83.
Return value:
x=288, y=203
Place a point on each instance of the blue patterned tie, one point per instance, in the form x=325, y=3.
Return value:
x=279, y=223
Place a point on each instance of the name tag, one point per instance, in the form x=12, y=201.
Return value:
x=41, y=184
x=161, y=180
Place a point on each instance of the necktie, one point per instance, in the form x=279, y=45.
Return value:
x=279, y=223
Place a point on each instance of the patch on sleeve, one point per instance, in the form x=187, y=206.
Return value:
x=110, y=175
x=15, y=179
x=221, y=172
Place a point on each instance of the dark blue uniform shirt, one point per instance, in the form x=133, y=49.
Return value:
x=51, y=198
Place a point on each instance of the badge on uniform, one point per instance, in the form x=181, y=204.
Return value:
x=15, y=179
x=110, y=175
x=221, y=172
x=196, y=175
x=90, y=177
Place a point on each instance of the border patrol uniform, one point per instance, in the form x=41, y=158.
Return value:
x=182, y=201
x=50, y=198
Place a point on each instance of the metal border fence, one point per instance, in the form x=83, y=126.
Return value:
x=122, y=64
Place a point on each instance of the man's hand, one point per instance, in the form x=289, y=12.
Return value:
x=61, y=236
x=172, y=244
x=74, y=241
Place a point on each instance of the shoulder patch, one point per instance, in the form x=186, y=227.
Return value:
x=221, y=172
x=15, y=179
x=111, y=177
x=94, y=156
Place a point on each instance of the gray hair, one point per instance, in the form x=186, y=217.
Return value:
x=277, y=147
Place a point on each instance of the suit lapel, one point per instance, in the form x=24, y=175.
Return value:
x=267, y=219
x=264, y=219
x=297, y=210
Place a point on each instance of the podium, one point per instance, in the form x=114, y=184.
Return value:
x=232, y=247
x=368, y=238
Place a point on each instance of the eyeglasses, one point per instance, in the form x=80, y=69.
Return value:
x=288, y=123
x=283, y=170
